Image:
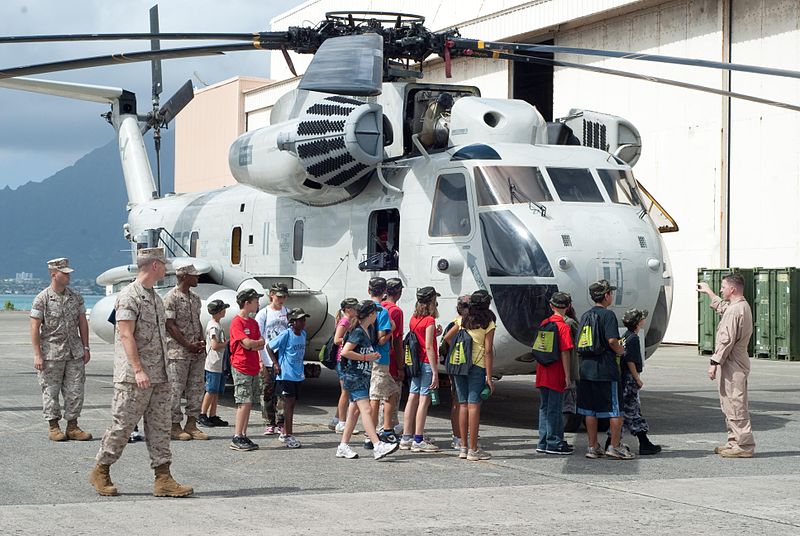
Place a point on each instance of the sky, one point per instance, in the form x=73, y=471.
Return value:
x=41, y=134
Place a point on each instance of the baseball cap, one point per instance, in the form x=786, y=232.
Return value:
x=61, y=264
x=480, y=298
x=426, y=294
x=393, y=285
x=633, y=317
x=377, y=285
x=215, y=306
x=247, y=295
x=562, y=300
x=151, y=254
x=348, y=303
x=296, y=314
x=599, y=288
x=189, y=269
x=279, y=289
x=366, y=308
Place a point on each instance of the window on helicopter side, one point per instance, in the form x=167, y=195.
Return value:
x=506, y=185
x=297, y=243
x=450, y=211
x=195, y=236
x=575, y=184
x=236, y=245
x=384, y=238
x=616, y=184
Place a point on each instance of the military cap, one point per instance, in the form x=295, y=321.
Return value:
x=366, y=308
x=189, y=269
x=279, y=289
x=246, y=295
x=215, y=306
x=598, y=289
x=393, y=285
x=633, y=316
x=349, y=303
x=480, y=299
x=562, y=300
x=151, y=254
x=377, y=285
x=426, y=294
x=61, y=264
x=296, y=314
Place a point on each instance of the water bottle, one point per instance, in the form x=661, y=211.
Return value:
x=486, y=392
x=434, y=397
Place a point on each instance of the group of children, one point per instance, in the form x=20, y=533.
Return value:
x=266, y=352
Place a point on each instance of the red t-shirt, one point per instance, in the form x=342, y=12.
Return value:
x=418, y=326
x=396, y=315
x=243, y=360
x=553, y=376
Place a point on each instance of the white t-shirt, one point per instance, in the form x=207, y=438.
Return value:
x=214, y=357
x=271, y=323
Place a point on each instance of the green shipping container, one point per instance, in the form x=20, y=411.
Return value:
x=763, y=313
x=786, y=307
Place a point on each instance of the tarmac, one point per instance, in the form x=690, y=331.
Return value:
x=684, y=490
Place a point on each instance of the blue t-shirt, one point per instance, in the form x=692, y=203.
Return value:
x=382, y=323
x=290, y=349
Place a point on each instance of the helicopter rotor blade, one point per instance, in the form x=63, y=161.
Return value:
x=637, y=76
x=347, y=65
x=177, y=102
x=173, y=36
x=155, y=45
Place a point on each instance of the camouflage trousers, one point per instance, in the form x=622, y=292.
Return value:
x=129, y=405
x=269, y=399
x=186, y=379
x=65, y=378
x=632, y=407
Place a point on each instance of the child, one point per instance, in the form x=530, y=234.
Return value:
x=357, y=354
x=552, y=380
x=632, y=364
x=346, y=320
x=462, y=307
x=423, y=324
x=288, y=351
x=246, y=342
x=272, y=321
x=215, y=380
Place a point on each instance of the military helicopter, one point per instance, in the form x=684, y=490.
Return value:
x=367, y=170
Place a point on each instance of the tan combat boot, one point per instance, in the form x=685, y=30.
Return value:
x=192, y=429
x=178, y=433
x=165, y=485
x=55, y=433
x=101, y=480
x=75, y=433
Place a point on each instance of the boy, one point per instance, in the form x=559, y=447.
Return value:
x=552, y=380
x=246, y=342
x=272, y=321
x=287, y=351
x=215, y=380
x=382, y=386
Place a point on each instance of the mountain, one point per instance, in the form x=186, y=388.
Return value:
x=78, y=213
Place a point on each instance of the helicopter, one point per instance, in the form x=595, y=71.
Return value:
x=366, y=170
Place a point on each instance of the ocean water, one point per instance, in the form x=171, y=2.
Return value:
x=22, y=302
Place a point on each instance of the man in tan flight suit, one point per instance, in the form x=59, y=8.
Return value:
x=186, y=353
x=60, y=337
x=140, y=379
x=733, y=363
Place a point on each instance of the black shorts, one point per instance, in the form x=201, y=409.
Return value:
x=288, y=389
x=599, y=399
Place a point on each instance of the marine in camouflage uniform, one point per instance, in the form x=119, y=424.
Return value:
x=60, y=336
x=140, y=380
x=185, y=353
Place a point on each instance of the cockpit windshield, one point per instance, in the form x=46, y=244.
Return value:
x=618, y=187
x=575, y=184
x=506, y=185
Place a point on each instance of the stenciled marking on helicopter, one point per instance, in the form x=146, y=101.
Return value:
x=472, y=264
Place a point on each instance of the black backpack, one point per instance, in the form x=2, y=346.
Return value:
x=459, y=359
x=328, y=354
x=226, y=359
x=590, y=335
x=545, y=348
x=411, y=355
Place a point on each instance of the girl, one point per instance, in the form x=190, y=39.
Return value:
x=357, y=355
x=423, y=324
x=345, y=321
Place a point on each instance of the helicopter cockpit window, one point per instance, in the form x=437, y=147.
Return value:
x=616, y=184
x=575, y=184
x=506, y=185
x=450, y=213
x=509, y=247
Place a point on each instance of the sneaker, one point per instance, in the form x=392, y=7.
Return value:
x=405, y=444
x=423, y=446
x=388, y=437
x=270, y=429
x=344, y=451
x=456, y=443
x=241, y=443
x=250, y=442
x=563, y=449
x=339, y=428
x=398, y=429
x=203, y=420
x=717, y=450
x=540, y=450
x=622, y=452
x=384, y=449
x=477, y=455
x=332, y=424
x=292, y=442
x=368, y=444
x=217, y=421
x=282, y=437
x=594, y=452
x=736, y=453
x=136, y=435
x=462, y=453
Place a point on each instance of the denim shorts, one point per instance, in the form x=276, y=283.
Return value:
x=421, y=385
x=339, y=370
x=215, y=382
x=469, y=387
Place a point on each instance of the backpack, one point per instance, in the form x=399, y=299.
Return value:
x=545, y=347
x=444, y=346
x=590, y=340
x=226, y=359
x=459, y=360
x=411, y=355
x=328, y=354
